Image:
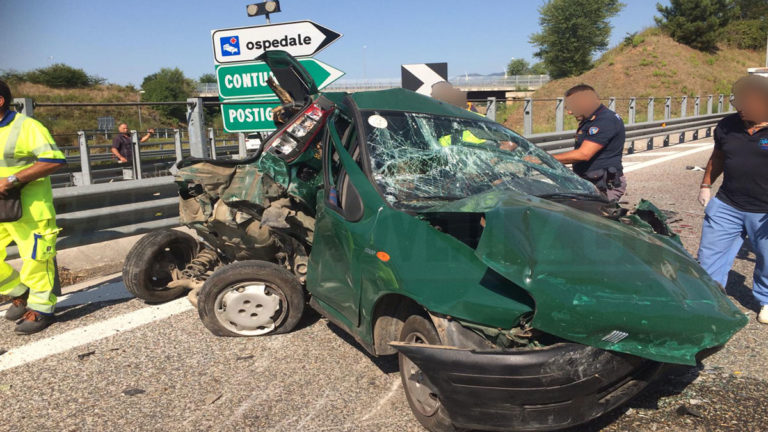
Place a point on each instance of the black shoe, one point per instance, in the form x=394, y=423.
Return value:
x=18, y=307
x=33, y=322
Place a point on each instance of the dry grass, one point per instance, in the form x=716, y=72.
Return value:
x=657, y=66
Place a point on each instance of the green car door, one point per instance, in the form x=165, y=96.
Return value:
x=341, y=232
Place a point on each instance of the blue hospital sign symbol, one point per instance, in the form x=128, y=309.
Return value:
x=230, y=45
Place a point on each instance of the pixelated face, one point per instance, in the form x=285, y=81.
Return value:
x=582, y=104
x=751, y=104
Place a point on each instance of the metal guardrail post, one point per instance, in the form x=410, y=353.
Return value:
x=697, y=106
x=26, y=106
x=559, y=114
x=720, y=103
x=650, y=109
x=242, y=152
x=85, y=161
x=710, y=98
x=528, y=117
x=668, y=108
x=136, y=155
x=196, y=120
x=177, y=144
x=730, y=103
x=212, y=142
x=612, y=104
x=491, y=111
x=684, y=107
x=632, y=110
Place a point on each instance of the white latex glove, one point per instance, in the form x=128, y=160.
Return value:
x=704, y=196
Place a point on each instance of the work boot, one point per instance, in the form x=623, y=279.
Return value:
x=33, y=322
x=763, y=315
x=18, y=307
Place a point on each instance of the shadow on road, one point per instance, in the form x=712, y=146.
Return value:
x=739, y=291
x=387, y=364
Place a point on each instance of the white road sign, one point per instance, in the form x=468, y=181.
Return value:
x=244, y=44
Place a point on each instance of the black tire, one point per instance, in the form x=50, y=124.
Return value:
x=427, y=409
x=148, y=265
x=251, y=298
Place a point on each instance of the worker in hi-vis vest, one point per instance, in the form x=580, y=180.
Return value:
x=27, y=217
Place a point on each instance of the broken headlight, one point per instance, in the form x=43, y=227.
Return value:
x=296, y=137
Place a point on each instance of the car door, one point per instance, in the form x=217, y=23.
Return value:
x=341, y=230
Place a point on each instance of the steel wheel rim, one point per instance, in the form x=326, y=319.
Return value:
x=419, y=387
x=164, y=262
x=251, y=308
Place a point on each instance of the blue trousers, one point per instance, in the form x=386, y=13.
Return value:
x=722, y=235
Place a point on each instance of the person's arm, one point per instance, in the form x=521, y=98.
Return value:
x=711, y=173
x=117, y=154
x=36, y=171
x=587, y=151
x=146, y=137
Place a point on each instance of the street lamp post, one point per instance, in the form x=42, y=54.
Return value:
x=140, y=93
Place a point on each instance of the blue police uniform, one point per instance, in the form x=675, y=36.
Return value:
x=606, y=128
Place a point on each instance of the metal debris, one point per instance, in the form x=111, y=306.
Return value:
x=85, y=354
x=133, y=391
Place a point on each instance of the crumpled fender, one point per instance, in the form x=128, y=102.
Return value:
x=603, y=283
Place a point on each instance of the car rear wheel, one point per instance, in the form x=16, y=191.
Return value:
x=422, y=397
x=150, y=264
x=251, y=298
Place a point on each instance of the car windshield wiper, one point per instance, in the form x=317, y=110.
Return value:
x=574, y=195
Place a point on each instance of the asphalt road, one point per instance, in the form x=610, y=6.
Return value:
x=115, y=363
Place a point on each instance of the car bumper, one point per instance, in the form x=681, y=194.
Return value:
x=529, y=390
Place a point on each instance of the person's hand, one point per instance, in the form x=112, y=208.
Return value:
x=705, y=194
x=5, y=186
x=532, y=159
x=122, y=160
x=150, y=130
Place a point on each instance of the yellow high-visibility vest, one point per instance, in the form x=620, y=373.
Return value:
x=466, y=136
x=25, y=141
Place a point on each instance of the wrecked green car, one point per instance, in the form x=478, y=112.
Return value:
x=516, y=296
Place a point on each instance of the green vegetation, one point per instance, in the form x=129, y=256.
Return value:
x=746, y=34
x=168, y=85
x=572, y=31
x=208, y=78
x=633, y=40
x=56, y=75
x=522, y=67
x=696, y=23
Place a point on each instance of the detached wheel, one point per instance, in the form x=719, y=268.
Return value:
x=419, y=391
x=251, y=298
x=151, y=261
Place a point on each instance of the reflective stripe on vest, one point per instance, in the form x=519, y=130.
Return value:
x=9, y=152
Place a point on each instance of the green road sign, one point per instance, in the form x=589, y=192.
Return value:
x=248, y=117
x=249, y=80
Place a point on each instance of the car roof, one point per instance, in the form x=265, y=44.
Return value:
x=399, y=99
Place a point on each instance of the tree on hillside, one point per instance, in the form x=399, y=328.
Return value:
x=696, y=23
x=208, y=78
x=753, y=9
x=572, y=31
x=518, y=67
x=60, y=75
x=165, y=86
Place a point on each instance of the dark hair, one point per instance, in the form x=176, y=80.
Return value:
x=580, y=88
x=5, y=92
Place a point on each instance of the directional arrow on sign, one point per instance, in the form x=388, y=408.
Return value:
x=250, y=80
x=244, y=44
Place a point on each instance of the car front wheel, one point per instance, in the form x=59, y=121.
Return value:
x=422, y=397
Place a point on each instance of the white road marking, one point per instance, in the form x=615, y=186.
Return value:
x=650, y=153
x=667, y=158
x=90, y=333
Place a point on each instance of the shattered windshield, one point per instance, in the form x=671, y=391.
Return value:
x=419, y=160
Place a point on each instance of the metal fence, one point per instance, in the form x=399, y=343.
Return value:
x=101, y=200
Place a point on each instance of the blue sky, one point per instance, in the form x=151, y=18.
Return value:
x=123, y=41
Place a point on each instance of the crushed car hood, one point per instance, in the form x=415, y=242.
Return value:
x=600, y=282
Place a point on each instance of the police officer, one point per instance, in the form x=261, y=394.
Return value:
x=29, y=156
x=599, y=142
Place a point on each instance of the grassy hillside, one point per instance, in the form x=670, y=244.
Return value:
x=652, y=65
x=63, y=122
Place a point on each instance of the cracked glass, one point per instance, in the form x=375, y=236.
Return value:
x=420, y=160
